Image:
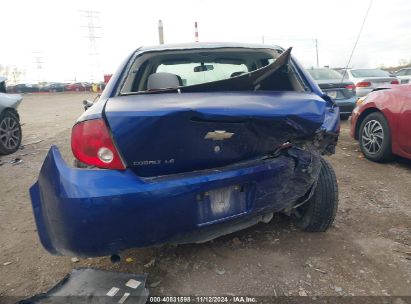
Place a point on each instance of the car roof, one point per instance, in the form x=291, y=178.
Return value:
x=367, y=69
x=315, y=69
x=207, y=45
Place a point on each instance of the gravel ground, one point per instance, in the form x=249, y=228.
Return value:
x=366, y=252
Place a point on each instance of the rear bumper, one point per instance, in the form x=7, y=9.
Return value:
x=99, y=212
x=361, y=92
x=347, y=105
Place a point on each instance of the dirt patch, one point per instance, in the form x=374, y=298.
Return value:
x=364, y=253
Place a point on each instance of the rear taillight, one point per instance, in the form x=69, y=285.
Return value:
x=395, y=82
x=350, y=87
x=363, y=84
x=91, y=144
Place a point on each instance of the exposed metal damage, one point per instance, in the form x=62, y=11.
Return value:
x=194, y=160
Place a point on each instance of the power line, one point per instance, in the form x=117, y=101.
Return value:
x=196, y=31
x=38, y=61
x=160, y=32
x=358, y=38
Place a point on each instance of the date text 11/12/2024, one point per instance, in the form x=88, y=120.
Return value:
x=202, y=299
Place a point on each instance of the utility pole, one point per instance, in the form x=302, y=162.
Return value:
x=92, y=18
x=196, y=31
x=262, y=39
x=160, y=32
x=38, y=61
x=316, y=51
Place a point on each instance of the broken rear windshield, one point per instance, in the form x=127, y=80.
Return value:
x=169, y=69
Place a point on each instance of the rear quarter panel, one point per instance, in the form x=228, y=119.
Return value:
x=404, y=122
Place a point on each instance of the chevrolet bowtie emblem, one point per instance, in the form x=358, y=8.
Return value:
x=218, y=135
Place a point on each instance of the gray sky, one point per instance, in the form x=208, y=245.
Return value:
x=53, y=28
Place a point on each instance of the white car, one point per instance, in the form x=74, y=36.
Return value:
x=404, y=75
x=366, y=80
x=10, y=128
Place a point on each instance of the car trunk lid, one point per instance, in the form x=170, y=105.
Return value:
x=337, y=89
x=160, y=134
x=378, y=81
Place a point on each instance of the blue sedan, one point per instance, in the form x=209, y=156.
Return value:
x=187, y=143
x=342, y=91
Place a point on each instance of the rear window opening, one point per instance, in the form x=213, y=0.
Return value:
x=209, y=70
x=191, y=73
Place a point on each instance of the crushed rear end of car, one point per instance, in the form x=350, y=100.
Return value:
x=192, y=164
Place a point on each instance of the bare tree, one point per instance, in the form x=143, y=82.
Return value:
x=402, y=62
x=13, y=74
x=17, y=73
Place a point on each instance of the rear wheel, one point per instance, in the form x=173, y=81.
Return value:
x=318, y=213
x=375, y=137
x=10, y=133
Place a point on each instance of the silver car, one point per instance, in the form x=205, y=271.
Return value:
x=366, y=80
x=404, y=75
x=10, y=129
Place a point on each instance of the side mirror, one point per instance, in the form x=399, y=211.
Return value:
x=87, y=104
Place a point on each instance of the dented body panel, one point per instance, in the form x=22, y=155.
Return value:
x=201, y=161
x=100, y=212
x=260, y=122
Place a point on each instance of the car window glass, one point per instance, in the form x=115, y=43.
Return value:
x=324, y=74
x=3, y=87
x=191, y=74
x=344, y=74
x=369, y=73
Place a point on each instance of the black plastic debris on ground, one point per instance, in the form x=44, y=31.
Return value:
x=88, y=285
x=16, y=161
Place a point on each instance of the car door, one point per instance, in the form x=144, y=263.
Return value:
x=404, y=130
x=407, y=78
x=401, y=75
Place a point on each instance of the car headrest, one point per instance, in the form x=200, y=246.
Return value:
x=158, y=81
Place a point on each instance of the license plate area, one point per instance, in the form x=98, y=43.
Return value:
x=382, y=84
x=219, y=204
x=332, y=94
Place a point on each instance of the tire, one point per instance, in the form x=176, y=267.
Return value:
x=10, y=133
x=318, y=213
x=375, y=138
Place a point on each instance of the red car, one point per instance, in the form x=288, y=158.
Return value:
x=78, y=86
x=381, y=122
